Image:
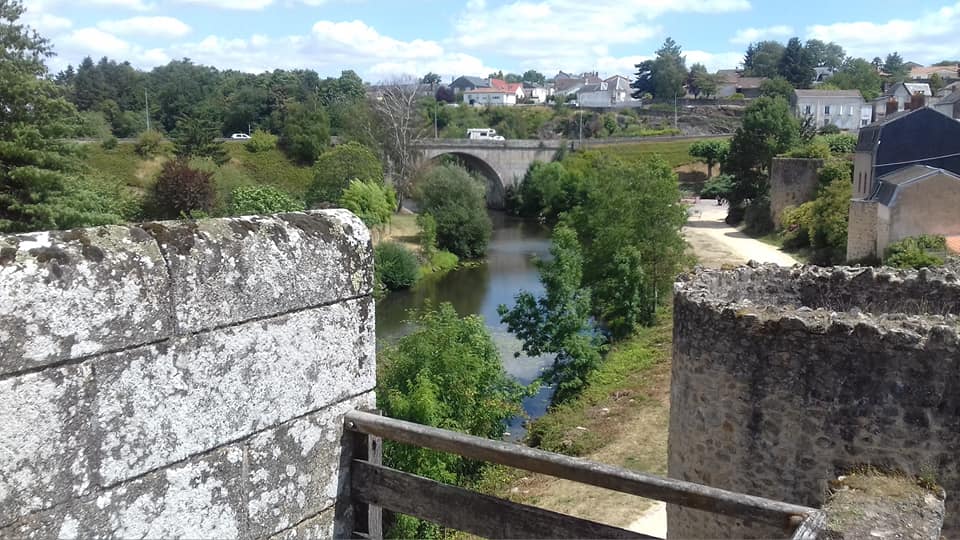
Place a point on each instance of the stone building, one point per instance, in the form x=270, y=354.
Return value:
x=912, y=202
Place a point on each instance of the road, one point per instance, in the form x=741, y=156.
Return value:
x=717, y=244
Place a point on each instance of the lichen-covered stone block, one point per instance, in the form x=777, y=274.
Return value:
x=199, y=498
x=230, y=270
x=45, y=439
x=319, y=527
x=69, y=294
x=293, y=470
x=165, y=402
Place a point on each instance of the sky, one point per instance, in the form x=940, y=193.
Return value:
x=384, y=39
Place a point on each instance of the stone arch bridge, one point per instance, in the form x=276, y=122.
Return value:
x=502, y=163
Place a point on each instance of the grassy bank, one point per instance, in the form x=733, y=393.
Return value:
x=621, y=419
x=676, y=153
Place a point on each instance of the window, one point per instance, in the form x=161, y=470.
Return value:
x=826, y=109
x=864, y=122
x=826, y=121
x=806, y=109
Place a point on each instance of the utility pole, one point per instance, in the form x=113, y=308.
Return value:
x=146, y=107
x=675, y=110
x=581, y=122
x=436, y=105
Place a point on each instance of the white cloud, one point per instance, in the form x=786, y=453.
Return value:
x=751, y=35
x=930, y=37
x=714, y=61
x=164, y=27
x=363, y=40
x=46, y=23
x=137, y=5
x=231, y=4
x=93, y=41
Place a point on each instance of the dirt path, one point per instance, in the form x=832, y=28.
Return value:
x=717, y=244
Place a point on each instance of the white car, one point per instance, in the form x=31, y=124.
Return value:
x=240, y=136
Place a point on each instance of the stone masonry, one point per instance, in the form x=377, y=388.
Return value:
x=182, y=379
x=793, y=181
x=785, y=378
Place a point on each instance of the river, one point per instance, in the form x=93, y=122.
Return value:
x=478, y=290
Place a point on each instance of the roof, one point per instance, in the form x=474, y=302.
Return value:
x=950, y=98
x=923, y=88
x=890, y=183
x=926, y=72
x=476, y=81
x=750, y=82
x=828, y=94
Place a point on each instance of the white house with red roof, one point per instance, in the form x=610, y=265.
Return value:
x=490, y=96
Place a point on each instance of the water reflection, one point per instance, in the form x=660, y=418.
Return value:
x=479, y=290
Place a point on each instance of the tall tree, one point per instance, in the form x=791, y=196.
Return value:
x=895, y=68
x=768, y=129
x=534, y=76
x=823, y=54
x=513, y=78
x=663, y=76
x=40, y=187
x=398, y=126
x=763, y=59
x=795, y=65
x=700, y=82
x=431, y=78
x=858, y=74
x=197, y=137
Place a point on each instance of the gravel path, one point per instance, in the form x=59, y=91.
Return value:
x=717, y=244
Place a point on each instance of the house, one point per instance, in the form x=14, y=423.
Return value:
x=904, y=93
x=565, y=84
x=845, y=109
x=489, y=96
x=949, y=105
x=464, y=83
x=611, y=92
x=913, y=200
x=731, y=81
x=947, y=73
x=822, y=74
x=536, y=93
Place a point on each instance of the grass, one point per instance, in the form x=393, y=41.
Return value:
x=123, y=164
x=676, y=153
x=271, y=168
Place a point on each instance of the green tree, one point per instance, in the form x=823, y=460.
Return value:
x=306, y=132
x=768, y=129
x=700, y=82
x=456, y=201
x=41, y=186
x=371, y=201
x=427, y=238
x=395, y=266
x=197, y=137
x=823, y=54
x=548, y=190
x=513, y=78
x=763, y=59
x=447, y=374
x=663, y=77
x=829, y=215
x=558, y=322
x=858, y=74
x=895, y=68
x=936, y=83
x=631, y=257
x=796, y=65
x=336, y=167
x=777, y=87
x=534, y=76
x=711, y=151
x=431, y=78
x=496, y=75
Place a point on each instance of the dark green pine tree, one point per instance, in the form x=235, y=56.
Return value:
x=796, y=65
x=40, y=184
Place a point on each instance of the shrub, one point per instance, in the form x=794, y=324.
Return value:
x=456, y=201
x=427, y=236
x=197, y=137
x=149, y=143
x=335, y=169
x=795, y=225
x=261, y=141
x=834, y=170
x=756, y=216
x=718, y=187
x=737, y=96
x=815, y=149
x=306, y=132
x=372, y=203
x=547, y=190
x=829, y=129
x=109, y=142
x=841, y=143
x=395, y=266
x=181, y=190
x=254, y=200
x=917, y=252
x=829, y=215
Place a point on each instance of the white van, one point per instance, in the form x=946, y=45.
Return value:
x=483, y=134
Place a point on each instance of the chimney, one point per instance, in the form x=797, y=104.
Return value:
x=892, y=106
x=917, y=101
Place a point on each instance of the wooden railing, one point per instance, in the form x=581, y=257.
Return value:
x=371, y=486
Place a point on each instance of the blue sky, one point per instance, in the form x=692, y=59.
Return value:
x=382, y=39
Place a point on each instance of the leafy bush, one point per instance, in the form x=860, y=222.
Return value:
x=306, y=132
x=335, y=169
x=829, y=129
x=917, y=252
x=457, y=202
x=447, y=373
x=197, y=137
x=443, y=261
x=149, y=144
x=737, y=96
x=815, y=149
x=395, y=266
x=756, y=216
x=261, y=141
x=547, y=190
x=841, y=143
x=109, y=142
x=181, y=190
x=718, y=187
x=795, y=225
x=427, y=236
x=256, y=200
x=372, y=203
x=828, y=221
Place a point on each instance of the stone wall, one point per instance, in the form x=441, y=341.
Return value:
x=784, y=378
x=862, y=229
x=181, y=379
x=793, y=181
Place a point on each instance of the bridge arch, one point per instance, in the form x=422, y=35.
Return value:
x=495, y=189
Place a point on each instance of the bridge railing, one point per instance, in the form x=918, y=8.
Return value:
x=372, y=487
